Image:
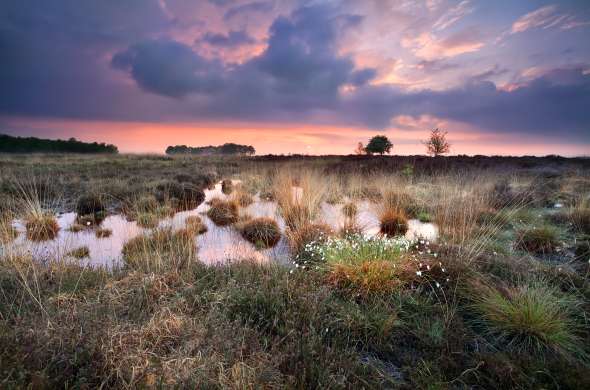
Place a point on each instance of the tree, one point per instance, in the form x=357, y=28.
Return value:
x=437, y=143
x=379, y=144
x=360, y=149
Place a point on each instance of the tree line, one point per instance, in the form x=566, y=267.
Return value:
x=436, y=144
x=225, y=149
x=10, y=144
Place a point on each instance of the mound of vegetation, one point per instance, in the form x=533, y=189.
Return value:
x=9, y=144
x=262, y=232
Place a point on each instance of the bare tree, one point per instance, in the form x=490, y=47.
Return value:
x=437, y=143
x=360, y=149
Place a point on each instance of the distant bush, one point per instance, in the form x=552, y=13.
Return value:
x=225, y=149
x=9, y=144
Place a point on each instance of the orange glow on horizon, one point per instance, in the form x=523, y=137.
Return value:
x=139, y=137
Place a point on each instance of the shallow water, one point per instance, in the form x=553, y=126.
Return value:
x=217, y=245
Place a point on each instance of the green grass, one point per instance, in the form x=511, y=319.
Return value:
x=531, y=318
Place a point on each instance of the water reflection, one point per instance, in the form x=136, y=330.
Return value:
x=217, y=245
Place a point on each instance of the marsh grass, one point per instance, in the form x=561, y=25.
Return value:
x=262, y=232
x=103, y=233
x=350, y=320
x=161, y=250
x=530, y=318
x=538, y=240
x=41, y=226
x=223, y=212
x=79, y=253
x=195, y=224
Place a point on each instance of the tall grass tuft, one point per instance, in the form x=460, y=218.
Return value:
x=530, y=318
x=162, y=250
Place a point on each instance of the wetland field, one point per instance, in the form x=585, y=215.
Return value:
x=148, y=271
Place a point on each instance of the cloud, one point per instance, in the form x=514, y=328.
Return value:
x=430, y=47
x=546, y=17
x=256, y=6
x=453, y=15
x=169, y=68
x=232, y=39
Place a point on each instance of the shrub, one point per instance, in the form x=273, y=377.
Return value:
x=393, y=222
x=349, y=210
x=531, y=318
x=227, y=186
x=80, y=253
x=103, y=233
x=222, y=212
x=90, y=204
x=41, y=226
x=262, y=232
x=163, y=249
x=195, y=224
x=538, y=240
x=307, y=233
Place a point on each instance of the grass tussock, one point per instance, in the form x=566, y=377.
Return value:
x=163, y=249
x=80, y=253
x=262, y=232
x=393, y=222
x=227, y=186
x=103, y=233
x=308, y=233
x=41, y=226
x=223, y=212
x=538, y=240
x=243, y=198
x=350, y=210
x=530, y=318
x=195, y=224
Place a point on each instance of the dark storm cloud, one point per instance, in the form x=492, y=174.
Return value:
x=169, y=68
x=232, y=39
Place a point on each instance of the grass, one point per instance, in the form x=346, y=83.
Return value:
x=103, y=233
x=227, y=186
x=41, y=226
x=223, y=212
x=161, y=250
x=350, y=210
x=80, y=253
x=352, y=312
x=262, y=232
x=393, y=222
x=195, y=224
x=538, y=240
x=530, y=318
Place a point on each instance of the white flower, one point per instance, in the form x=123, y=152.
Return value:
x=438, y=284
x=419, y=273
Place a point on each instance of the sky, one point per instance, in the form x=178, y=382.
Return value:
x=299, y=76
